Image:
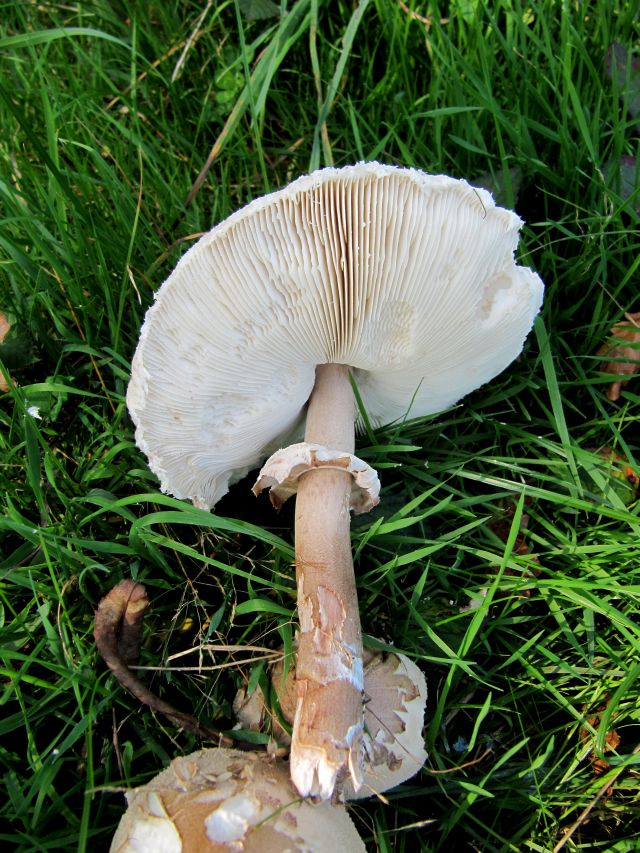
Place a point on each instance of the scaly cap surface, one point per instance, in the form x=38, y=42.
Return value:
x=227, y=801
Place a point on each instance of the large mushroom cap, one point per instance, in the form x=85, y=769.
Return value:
x=227, y=801
x=408, y=278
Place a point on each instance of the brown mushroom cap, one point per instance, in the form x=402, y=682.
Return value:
x=407, y=278
x=227, y=801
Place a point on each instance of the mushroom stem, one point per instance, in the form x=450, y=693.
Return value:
x=328, y=724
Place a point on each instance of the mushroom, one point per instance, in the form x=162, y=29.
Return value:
x=227, y=801
x=395, y=700
x=405, y=283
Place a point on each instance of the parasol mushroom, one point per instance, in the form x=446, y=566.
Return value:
x=405, y=280
x=227, y=801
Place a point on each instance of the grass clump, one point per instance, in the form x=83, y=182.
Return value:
x=126, y=132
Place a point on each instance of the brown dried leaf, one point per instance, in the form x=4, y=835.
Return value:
x=119, y=621
x=501, y=526
x=5, y=325
x=599, y=764
x=626, y=353
x=620, y=468
x=118, y=631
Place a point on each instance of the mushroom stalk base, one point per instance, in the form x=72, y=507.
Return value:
x=327, y=730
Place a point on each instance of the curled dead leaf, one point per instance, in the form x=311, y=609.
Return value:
x=500, y=525
x=599, y=764
x=5, y=325
x=624, y=476
x=120, y=621
x=622, y=354
x=118, y=632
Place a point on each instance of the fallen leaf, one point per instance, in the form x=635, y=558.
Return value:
x=16, y=348
x=622, y=354
x=118, y=631
x=501, y=526
x=119, y=622
x=599, y=764
x=5, y=325
x=622, y=474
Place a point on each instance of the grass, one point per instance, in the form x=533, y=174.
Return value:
x=109, y=113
